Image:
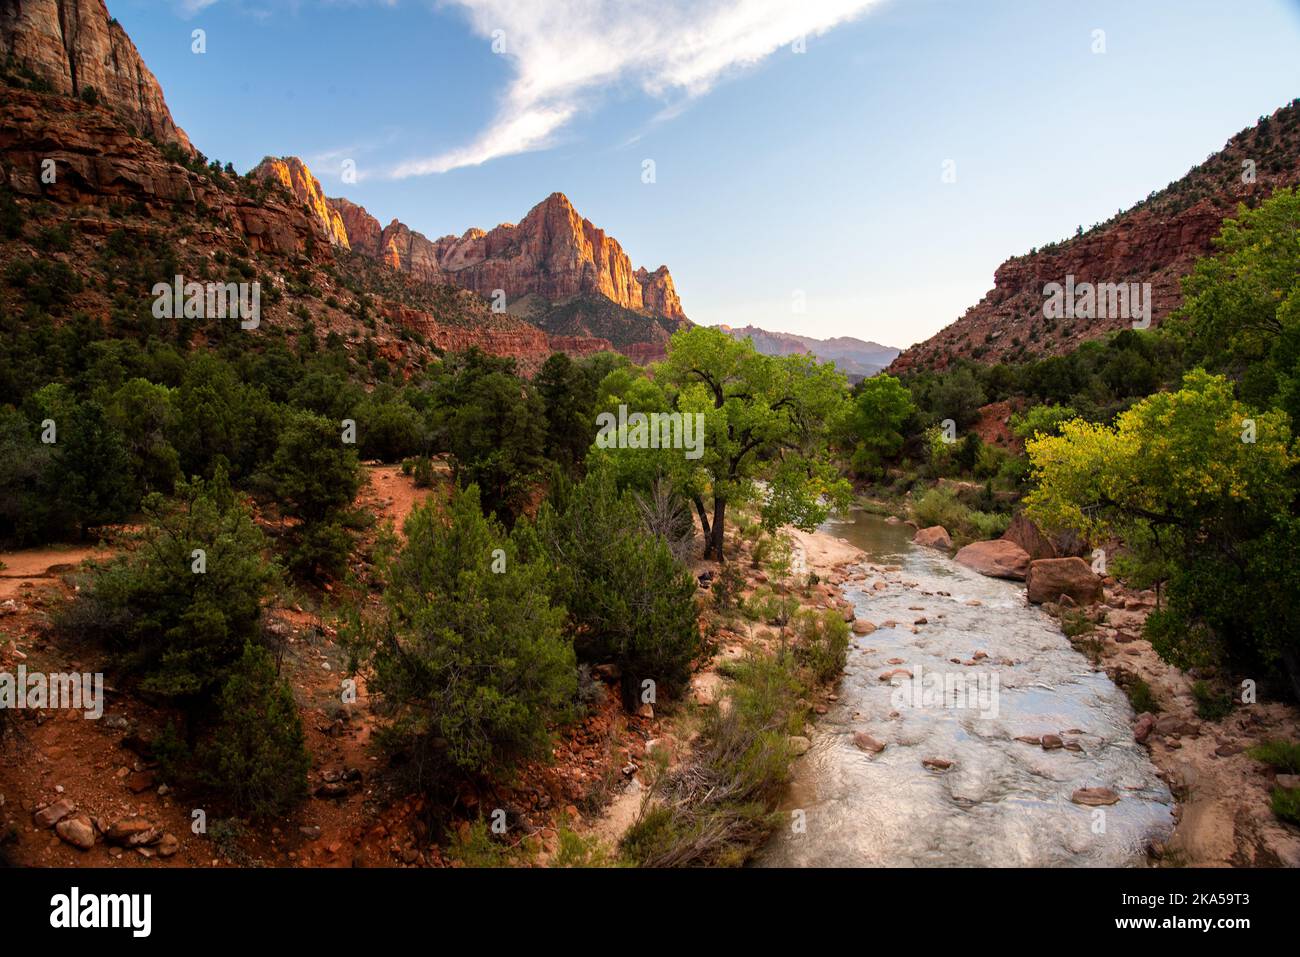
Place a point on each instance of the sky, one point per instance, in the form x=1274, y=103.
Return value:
x=823, y=167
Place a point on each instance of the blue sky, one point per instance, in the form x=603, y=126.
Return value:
x=781, y=178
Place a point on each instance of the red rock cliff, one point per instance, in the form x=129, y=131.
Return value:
x=76, y=47
x=293, y=174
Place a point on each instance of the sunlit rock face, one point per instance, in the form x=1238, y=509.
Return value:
x=293, y=174
x=76, y=47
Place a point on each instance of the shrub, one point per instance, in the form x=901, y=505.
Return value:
x=1280, y=755
x=472, y=661
x=1286, y=804
x=1211, y=705
x=821, y=642
x=717, y=811
x=940, y=506
x=628, y=598
x=255, y=756
x=178, y=629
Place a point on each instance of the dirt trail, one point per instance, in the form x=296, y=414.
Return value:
x=32, y=564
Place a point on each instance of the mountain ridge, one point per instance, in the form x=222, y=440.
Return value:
x=1155, y=241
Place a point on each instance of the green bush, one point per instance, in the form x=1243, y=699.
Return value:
x=1286, y=804
x=821, y=642
x=1211, y=705
x=716, y=813
x=470, y=656
x=940, y=506
x=628, y=598
x=180, y=630
x=255, y=756
x=1280, y=755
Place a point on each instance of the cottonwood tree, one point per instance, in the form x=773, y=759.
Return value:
x=1198, y=507
x=767, y=419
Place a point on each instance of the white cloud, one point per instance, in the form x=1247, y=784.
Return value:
x=190, y=8
x=565, y=52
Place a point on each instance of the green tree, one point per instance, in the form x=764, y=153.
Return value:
x=145, y=416
x=255, y=756
x=315, y=478
x=629, y=600
x=470, y=656
x=567, y=395
x=1241, y=308
x=178, y=610
x=765, y=417
x=874, y=420
x=493, y=426
x=1201, y=489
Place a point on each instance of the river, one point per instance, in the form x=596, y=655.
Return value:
x=1002, y=802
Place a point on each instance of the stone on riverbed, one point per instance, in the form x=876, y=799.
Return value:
x=866, y=742
x=936, y=536
x=997, y=559
x=1095, y=797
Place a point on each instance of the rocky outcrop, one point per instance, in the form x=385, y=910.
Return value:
x=1050, y=578
x=293, y=174
x=361, y=229
x=75, y=47
x=408, y=251
x=1156, y=241
x=997, y=559
x=526, y=344
x=658, y=294
x=554, y=253
x=1025, y=533
x=99, y=163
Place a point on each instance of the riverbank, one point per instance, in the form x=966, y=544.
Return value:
x=744, y=664
x=1224, y=815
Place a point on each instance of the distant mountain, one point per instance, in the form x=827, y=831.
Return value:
x=1157, y=241
x=855, y=358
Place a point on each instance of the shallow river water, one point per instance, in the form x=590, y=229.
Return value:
x=1002, y=802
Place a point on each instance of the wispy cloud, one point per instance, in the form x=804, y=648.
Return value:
x=566, y=52
x=190, y=8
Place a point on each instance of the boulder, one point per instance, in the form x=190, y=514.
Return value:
x=863, y=627
x=54, y=813
x=1025, y=533
x=936, y=536
x=997, y=559
x=1050, y=578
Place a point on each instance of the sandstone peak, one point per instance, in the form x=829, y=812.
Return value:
x=553, y=253
x=293, y=174
x=77, y=48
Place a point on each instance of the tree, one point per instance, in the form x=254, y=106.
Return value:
x=874, y=420
x=256, y=756
x=765, y=417
x=567, y=395
x=1241, y=308
x=469, y=655
x=1193, y=481
x=179, y=609
x=145, y=416
x=629, y=600
x=315, y=477
x=87, y=479
x=493, y=426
